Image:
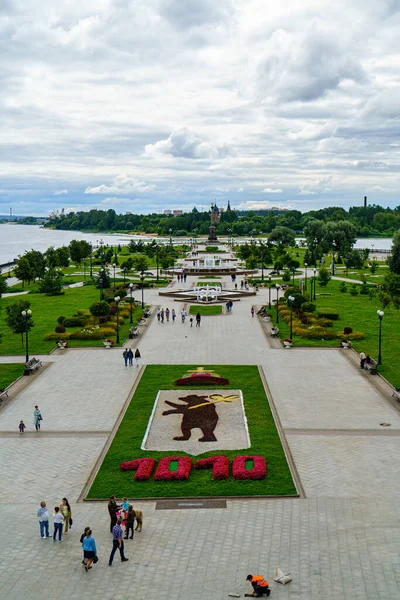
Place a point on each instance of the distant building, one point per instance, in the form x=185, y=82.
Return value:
x=167, y=211
x=177, y=212
x=228, y=208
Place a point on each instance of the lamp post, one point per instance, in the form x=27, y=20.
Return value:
x=315, y=284
x=380, y=317
x=291, y=300
x=27, y=315
x=130, y=294
x=157, y=260
x=142, y=280
x=117, y=299
x=84, y=268
x=293, y=271
x=124, y=270
x=306, y=265
x=262, y=262
x=278, y=287
x=101, y=284
x=91, y=263
x=170, y=238
x=114, y=267
x=269, y=291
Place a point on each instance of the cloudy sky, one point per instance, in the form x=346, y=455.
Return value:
x=142, y=105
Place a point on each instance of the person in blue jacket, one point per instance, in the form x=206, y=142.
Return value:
x=89, y=549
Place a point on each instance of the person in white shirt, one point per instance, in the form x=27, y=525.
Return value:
x=58, y=520
x=183, y=315
x=43, y=518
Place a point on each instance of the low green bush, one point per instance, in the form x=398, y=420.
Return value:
x=356, y=335
x=74, y=321
x=324, y=322
x=57, y=336
x=60, y=329
x=308, y=307
x=328, y=313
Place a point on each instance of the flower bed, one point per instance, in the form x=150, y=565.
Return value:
x=163, y=472
x=143, y=467
x=259, y=470
x=218, y=464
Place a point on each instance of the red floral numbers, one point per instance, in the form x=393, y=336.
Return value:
x=143, y=467
x=219, y=465
x=241, y=470
x=182, y=472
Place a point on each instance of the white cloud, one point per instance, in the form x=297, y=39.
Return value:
x=122, y=184
x=184, y=143
x=60, y=192
x=272, y=190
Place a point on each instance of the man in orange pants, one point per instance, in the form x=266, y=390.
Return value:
x=260, y=585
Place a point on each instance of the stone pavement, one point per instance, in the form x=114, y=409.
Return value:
x=341, y=540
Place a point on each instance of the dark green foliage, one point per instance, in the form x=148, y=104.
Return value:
x=394, y=259
x=323, y=277
x=3, y=285
x=15, y=320
x=286, y=276
x=343, y=287
x=99, y=309
x=52, y=282
x=308, y=307
x=75, y=321
x=354, y=290
x=328, y=313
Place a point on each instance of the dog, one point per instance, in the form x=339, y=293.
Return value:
x=139, y=519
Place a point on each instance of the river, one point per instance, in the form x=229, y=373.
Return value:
x=16, y=239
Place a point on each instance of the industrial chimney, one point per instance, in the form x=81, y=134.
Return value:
x=365, y=201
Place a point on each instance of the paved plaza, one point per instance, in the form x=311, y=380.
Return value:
x=339, y=540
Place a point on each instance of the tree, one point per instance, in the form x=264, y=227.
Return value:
x=323, y=277
x=394, y=259
x=3, y=285
x=14, y=319
x=282, y=236
x=104, y=275
x=100, y=309
x=62, y=256
x=141, y=265
x=52, y=282
x=37, y=261
x=391, y=284
x=24, y=271
x=80, y=249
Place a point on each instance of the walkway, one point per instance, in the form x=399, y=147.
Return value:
x=339, y=541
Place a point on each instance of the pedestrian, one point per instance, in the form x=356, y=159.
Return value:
x=235, y=286
x=260, y=585
x=112, y=510
x=89, y=549
x=184, y=277
x=241, y=284
x=81, y=540
x=173, y=315
x=21, y=426
x=183, y=315
x=252, y=311
x=125, y=355
x=191, y=321
x=67, y=514
x=130, y=357
x=37, y=417
x=42, y=514
x=158, y=314
x=58, y=521
x=130, y=521
x=179, y=278
x=227, y=306
x=118, y=543
x=162, y=315
x=137, y=357
x=362, y=359
x=198, y=319
x=167, y=313
x=230, y=305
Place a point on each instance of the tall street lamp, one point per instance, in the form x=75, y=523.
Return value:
x=27, y=315
x=291, y=300
x=130, y=294
x=278, y=287
x=114, y=267
x=170, y=238
x=101, y=281
x=157, y=260
x=306, y=265
x=84, y=268
x=124, y=270
x=117, y=299
x=269, y=291
x=293, y=271
x=262, y=262
x=380, y=317
x=142, y=280
x=91, y=262
x=315, y=284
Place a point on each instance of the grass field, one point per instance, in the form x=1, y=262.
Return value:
x=9, y=373
x=128, y=439
x=205, y=311
x=358, y=312
x=45, y=311
x=199, y=283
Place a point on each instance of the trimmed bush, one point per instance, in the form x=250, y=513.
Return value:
x=87, y=335
x=356, y=335
x=347, y=330
x=74, y=321
x=60, y=320
x=328, y=313
x=308, y=307
x=57, y=336
x=354, y=290
x=108, y=331
x=60, y=329
x=324, y=322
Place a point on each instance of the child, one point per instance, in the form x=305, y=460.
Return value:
x=125, y=504
x=22, y=426
x=81, y=540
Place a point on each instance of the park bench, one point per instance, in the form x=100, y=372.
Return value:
x=32, y=365
x=146, y=314
x=133, y=332
x=3, y=394
x=274, y=332
x=371, y=366
x=396, y=394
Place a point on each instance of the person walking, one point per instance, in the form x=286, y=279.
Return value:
x=66, y=513
x=191, y=321
x=130, y=521
x=130, y=357
x=37, y=417
x=162, y=315
x=21, y=426
x=198, y=319
x=112, y=510
x=137, y=357
x=58, y=521
x=179, y=278
x=167, y=313
x=184, y=277
x=363, y=358
x=252, y=311
x=118, y=543
x=125, y=355
x=173, y=315
x=42, y=514
x=158, y=314
x=84, y=534
x=89, y=549
x=183, y=315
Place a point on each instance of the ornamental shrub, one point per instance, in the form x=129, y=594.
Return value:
x=85, y=334
x=60, y=329
x=324, y=322
x=60, y=320
x=99, y=309
x=104, y=319
x=356, y=335
x=308, y=307
x=347, y=330
x=74, y=321
x=364, y=289
x=286, y=276
x=328, y=313
x=343, y=287
x=108, y=331
x=57, y=336
x=354, y=290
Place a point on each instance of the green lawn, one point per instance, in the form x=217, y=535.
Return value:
x=199, y=283
x=205, y=311
x=128, y=439
x=46, y=310
x=9, y=373
x=358, y=312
